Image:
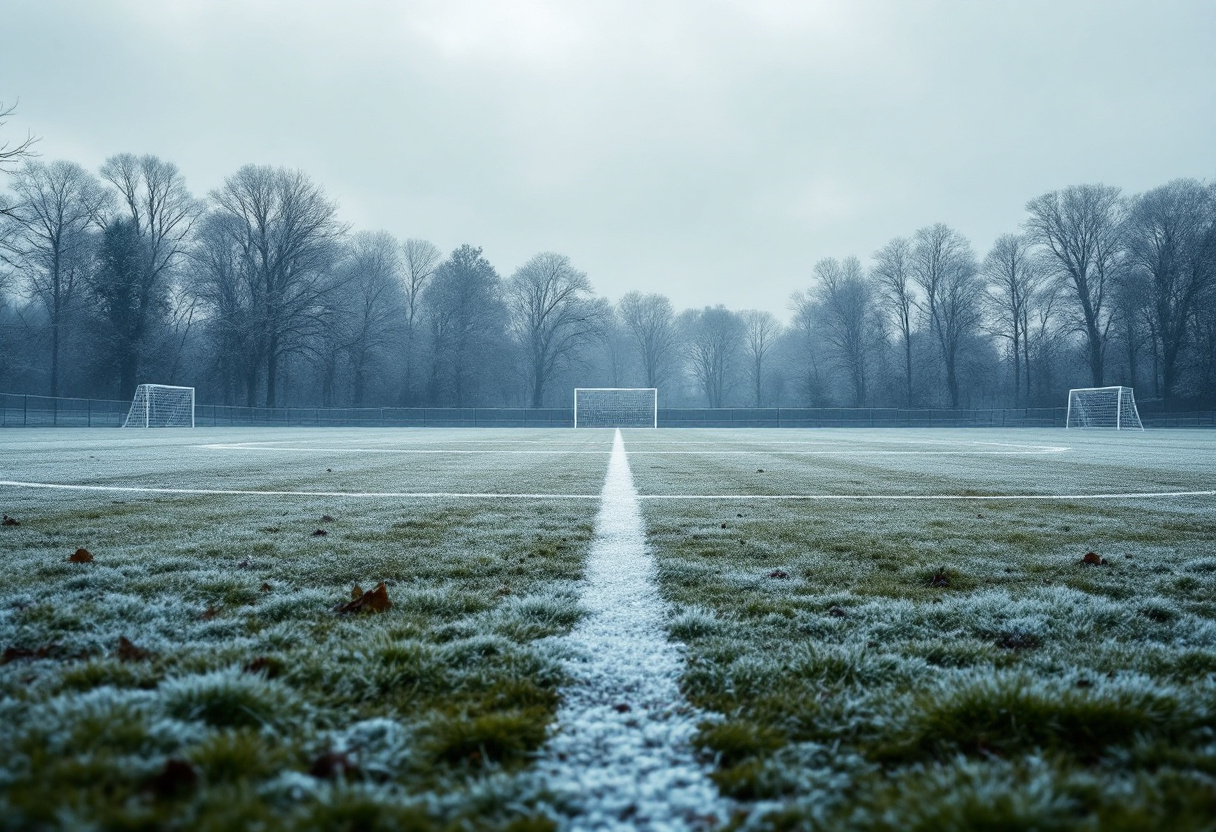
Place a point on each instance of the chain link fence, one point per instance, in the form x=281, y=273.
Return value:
x=44, y=411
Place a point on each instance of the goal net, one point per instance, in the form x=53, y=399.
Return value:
x=1103, y=407
x=161, y=406
x=616, y=407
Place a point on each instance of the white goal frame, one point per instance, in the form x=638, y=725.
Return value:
x=1119, y=402
x=173, y=409
x=652, y=406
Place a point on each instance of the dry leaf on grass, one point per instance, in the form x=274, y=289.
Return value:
x=10, y=521
x=1094, y=559
x=128, y=652
x=266, y=587
x=777, y=573
x=209, y=613
x=177, y=777
x=268, y=667
x=374, y=600
x=81, y=556
x=12, y=654
x=331, y=765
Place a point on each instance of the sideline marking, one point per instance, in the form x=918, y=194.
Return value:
x=496, y=495
x=620, y=753
x=1023, y=450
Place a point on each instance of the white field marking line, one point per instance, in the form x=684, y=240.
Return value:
x=499, y=495
x=1027, y=451
x=472, y=495
x=619, y=754
x=1107, y=496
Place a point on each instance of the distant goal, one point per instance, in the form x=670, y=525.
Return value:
x=616, y=407
x=161, y=406
x=1103, y=407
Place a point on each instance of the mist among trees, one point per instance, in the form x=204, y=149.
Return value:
x=258, y=293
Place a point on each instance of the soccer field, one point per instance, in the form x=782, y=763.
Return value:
x=878, y=629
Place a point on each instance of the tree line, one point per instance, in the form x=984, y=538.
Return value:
x=259, y=294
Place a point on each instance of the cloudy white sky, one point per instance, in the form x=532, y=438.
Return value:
x=707, y=149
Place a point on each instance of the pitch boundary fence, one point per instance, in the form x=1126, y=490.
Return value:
x=19, y=410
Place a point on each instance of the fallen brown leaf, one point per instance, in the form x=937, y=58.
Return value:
x=331, y=765
x=266, y=587
x=266, y=666
x=81, y=556
x=177, y=777
x=10, y=521
x=209, y=613
x=356, y=593
x=12, y=654
x=128, y=652
x=1094, y=559
x=778, y=573
x=374, y=600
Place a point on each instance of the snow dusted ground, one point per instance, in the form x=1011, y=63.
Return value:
x=620, y=755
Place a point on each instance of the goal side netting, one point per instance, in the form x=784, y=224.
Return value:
x=1103, y=407
x=161, y=406
x=616, y=407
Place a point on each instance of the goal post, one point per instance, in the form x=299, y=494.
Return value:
x=616, y=407
x=161, y=406
x=1102, y=407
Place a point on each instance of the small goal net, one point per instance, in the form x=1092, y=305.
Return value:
x=1103, y=407
x=161, y=406
x=616, y=407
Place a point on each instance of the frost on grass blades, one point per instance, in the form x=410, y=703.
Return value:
x=620, y=756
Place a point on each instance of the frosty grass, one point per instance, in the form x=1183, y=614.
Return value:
x=944, y=664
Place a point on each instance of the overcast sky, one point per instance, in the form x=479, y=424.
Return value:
x=709, y=150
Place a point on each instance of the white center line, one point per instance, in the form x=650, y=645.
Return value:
x=620, y=755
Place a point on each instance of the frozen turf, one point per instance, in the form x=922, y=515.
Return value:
x=854, y=630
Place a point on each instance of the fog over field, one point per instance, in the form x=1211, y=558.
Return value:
x=700, y=154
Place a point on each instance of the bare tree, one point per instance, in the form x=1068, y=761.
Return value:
x=221, y=280
x=11, y=154
x=371, y=292
x=50, y=245
x=153, y=198
x=553, y=314
x=1167, y=233
x=421, y=258
x=1080, y=229
x=713, y=339
x=286, y=231
x=944, y=267
x=651, y=324
x=467, y=318
x=840, y=305
x=1013, y=277
x=892, y=274
x=761, y=331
